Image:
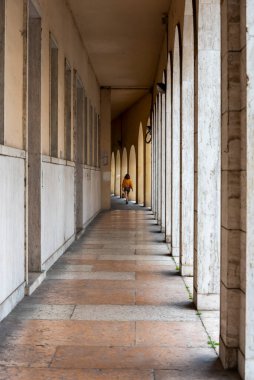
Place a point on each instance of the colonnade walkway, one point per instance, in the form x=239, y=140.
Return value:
x=112, y=307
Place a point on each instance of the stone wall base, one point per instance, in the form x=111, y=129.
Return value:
x=228, y=355
x=209, y=302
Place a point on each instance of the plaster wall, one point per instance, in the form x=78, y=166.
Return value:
x=12, y=254
x=57, y=200
x=13, y=76
x=91, y=193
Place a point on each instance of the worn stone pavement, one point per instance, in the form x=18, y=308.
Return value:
x=112, y=307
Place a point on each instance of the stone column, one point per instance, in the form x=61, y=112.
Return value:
x=246, y=352
x=153, y=161
x=176, y=149
x=156, y=161
x=34, y=169
x=231, y=182
x=105, y=153
x=207, y=189
x=159, y=159
x=168, y=143
x=163, y=162
x=187, y=151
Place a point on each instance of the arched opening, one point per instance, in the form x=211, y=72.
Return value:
x=168, y=200
x=148, y=169
x=187, y=144
x=176, y=147
x=124, y=163
x=132, y=172
x=113, y=173
x=141, y=165
x=118, y=175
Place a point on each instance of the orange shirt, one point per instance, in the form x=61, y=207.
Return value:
x=127, y=183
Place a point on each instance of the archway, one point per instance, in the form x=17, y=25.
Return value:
x=176, y=147
x=113, y=173
x=132, y=172
x=141, y=165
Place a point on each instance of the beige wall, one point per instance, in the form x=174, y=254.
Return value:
x=13, y=87
x=57, y=19
x=126, y=127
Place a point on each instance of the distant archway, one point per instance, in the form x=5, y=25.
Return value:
x=118, y=175
x=132, y=172
x=140, y=165
x=113, y=173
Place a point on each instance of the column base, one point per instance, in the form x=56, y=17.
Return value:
x=245, y=366
x=228, y=355
x=186, y=270
x=210, y=302
x=175, y=251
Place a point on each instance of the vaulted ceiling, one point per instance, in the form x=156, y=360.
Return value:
x=123, y=39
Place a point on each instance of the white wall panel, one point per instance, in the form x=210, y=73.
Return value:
x=12, y=256
x=57, y=207
x=92, y=193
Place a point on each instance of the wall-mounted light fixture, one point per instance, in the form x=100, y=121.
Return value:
x=161, y=88
x=148, y=137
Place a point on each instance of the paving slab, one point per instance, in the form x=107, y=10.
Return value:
x=133, y=313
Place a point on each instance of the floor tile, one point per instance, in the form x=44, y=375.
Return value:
x=132, y=313
x=7, y=373
x=131, y=357
x=57, y=332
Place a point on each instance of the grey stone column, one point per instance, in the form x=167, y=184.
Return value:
x=246, y=352
x=208, y=162
x=34, y=172
x=168, y=144
x=156, y=161
x=105, y=153
x=231, y=182
x=187, y=145
x=159, y=159
x=163, y=162
x=176, y=148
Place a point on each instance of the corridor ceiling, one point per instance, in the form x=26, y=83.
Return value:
x=123, y=39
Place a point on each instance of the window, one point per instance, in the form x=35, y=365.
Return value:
x=90, y=135
x=85, y=131
x=67, y=110
x=53, y=98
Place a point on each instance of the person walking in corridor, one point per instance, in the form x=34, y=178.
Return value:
x=127, y=186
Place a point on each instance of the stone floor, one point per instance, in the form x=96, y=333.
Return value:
x=112, y=307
